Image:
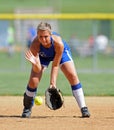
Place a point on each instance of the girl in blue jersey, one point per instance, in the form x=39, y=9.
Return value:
x=47, y=47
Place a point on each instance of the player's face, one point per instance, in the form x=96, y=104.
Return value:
x=44, y=38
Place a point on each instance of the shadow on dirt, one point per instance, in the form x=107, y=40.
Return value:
x=37, y=117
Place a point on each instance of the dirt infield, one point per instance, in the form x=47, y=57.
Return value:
x=66, y=118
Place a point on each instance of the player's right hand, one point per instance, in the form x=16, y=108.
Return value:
x=30, y=57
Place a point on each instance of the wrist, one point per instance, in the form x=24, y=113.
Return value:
x=52, y=86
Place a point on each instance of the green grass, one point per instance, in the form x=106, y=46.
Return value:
x=14, y=71
x=14, y=78
x=104, y=62
x=72, y=6
x=14, y=83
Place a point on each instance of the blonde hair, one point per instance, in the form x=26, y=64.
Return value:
x=44, y=26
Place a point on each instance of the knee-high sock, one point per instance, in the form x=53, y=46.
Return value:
x=29, y=95
x=31, y=92
x=79, y=95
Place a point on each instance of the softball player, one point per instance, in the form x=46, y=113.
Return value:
x=47, y=47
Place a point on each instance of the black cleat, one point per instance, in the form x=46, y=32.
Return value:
x=26, y=113
x=85, y=112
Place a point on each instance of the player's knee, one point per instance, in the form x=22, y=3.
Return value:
x=73, y=78
x=33, y=82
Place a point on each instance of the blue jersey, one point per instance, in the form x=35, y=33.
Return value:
x=47, y=54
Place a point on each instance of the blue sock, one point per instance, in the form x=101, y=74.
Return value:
x=77, y=86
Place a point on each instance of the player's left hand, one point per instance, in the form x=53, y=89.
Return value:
x=54, y=98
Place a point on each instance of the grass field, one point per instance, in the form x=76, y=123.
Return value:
x=14, y=83
x=13, y=77
x=14, y=72
x=65, y=6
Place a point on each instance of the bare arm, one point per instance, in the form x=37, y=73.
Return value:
x=33, y=56
x=56, y=62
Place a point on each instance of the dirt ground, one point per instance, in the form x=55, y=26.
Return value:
x=66, y=118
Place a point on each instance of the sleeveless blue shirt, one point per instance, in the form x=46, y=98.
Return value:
x=49, y=53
